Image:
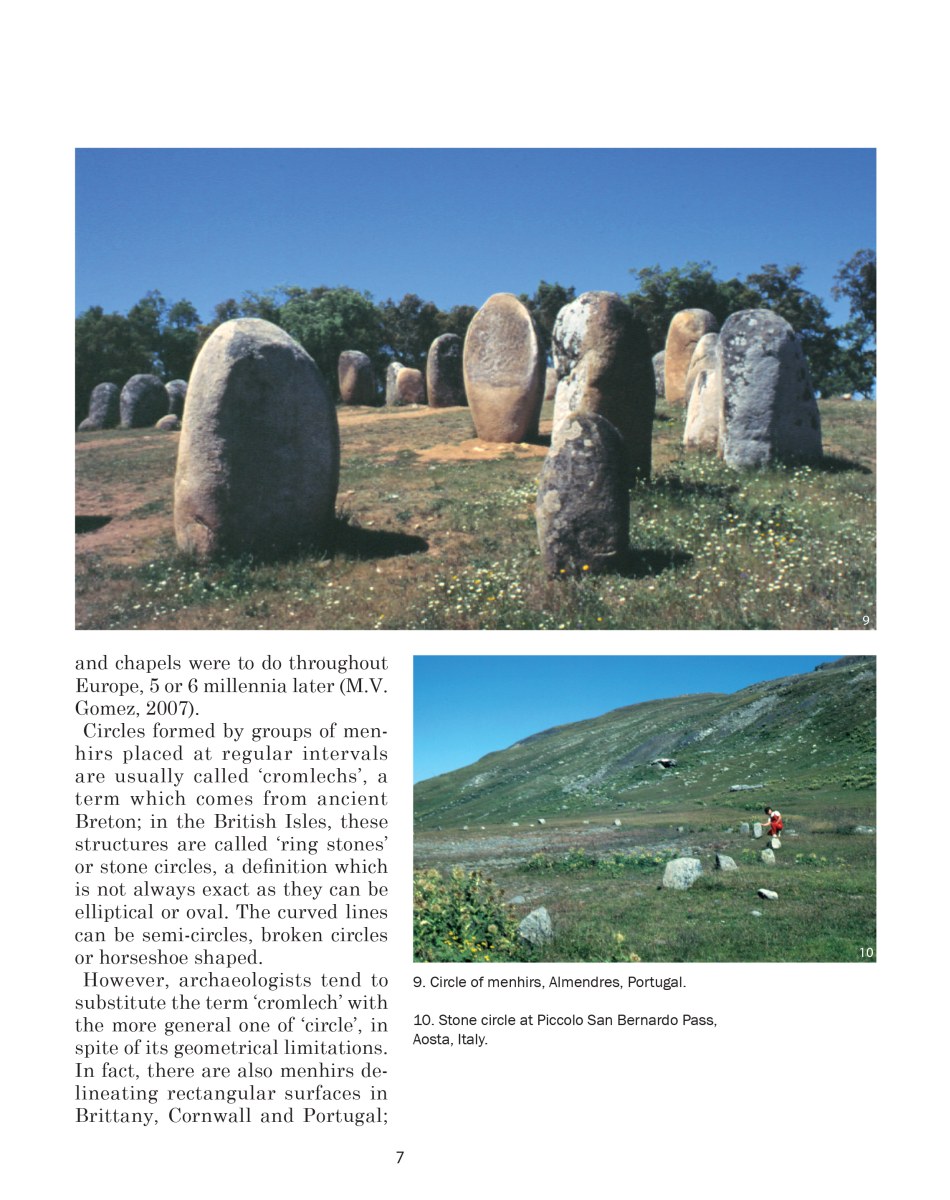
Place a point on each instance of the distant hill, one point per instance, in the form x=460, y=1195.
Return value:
x=801, y=734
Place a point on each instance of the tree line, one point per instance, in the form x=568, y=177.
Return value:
x=164, y=339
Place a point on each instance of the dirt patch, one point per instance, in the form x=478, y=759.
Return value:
x=355, y=415
x=474, y=448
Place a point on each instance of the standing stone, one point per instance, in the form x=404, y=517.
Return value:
x=259, y=456
x=169, y=423
x=744, y=828
x=583, y=506
x=686, y=328
x=775, y=843
x=504, y=369
x=550, y=385
x=444, y=383
x=177, y=391
x=771, y=414
x=354, y=373
x=103, y=407
x=756, y=830
x=767, y=856
x=705, y=409
x=725, y=863
x=659, y=373
x=536, y=928
x=602, y=358
x=409, y=387
x=142, y=401
x=391, y=372
x=681, y=873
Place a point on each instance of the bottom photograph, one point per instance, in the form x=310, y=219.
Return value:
x=644, y=809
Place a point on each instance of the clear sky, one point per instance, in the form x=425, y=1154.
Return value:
x=453, y=226
x=468, y=706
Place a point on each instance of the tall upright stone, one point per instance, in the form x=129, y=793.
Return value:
x=583, y=505
x=142, y=401
x=355, y=378
x=410, y=387
x=686, y=328
x=550, y=385
x=391, y=372
x=504, y=367
x=103, y=407
x=259, y=455
x=603, y=362
x=444, y=383
x=177, y=390
x=705, y=407
x=771, y=414
x=659, y=373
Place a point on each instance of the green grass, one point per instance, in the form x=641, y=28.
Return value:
x=431, y=544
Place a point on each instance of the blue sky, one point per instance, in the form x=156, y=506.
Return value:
x=454, y=226
x=467, y=706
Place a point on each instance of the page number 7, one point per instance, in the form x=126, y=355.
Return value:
x=399, y=1154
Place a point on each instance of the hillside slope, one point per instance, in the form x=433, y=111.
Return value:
x=811, y=733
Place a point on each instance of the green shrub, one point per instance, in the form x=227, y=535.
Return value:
x=461, y=919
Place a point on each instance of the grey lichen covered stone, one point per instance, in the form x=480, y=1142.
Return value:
x=410, y=387
x=259, y=456
x=504, y=369
x=767, y=856
x=682, y=873
x=536, y=928
x=142, y=401
x=602, y=358
x=756, y=829
x=445, y=386
x=355, y=378
x=177, y=390
x=686, y=328
x=725, y=863
x=659, y=373
x=391, y=372
x=705, y=408
x=103, y=407
x=583, y=506
x=771, y=414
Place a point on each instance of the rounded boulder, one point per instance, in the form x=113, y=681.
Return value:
x=142, y=401
x=355, y=377
x=103, y=407
x=503, y=366
x=259, y=455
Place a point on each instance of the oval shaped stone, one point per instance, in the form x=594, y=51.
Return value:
x=357, y=383
x=391, y=372
x=705, y=412
x=444, y=384
x=685, y=330
x=259, y=455
x=410, y=386
x=504, y=369
x=771, y=414
x=603, y=362
x=177, y=393
x=142, y=401
x=103, y=407
x=583, y=505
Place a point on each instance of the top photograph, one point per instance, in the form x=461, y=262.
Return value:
x=475, y=389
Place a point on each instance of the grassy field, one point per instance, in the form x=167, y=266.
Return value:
x=436, y=531
x=601, y=885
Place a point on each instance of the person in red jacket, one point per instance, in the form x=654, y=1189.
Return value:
x=775, y=821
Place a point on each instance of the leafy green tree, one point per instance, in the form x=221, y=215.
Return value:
x=660, y=295
x=179, y=340
x=108, y=349
x=779, y=289
x=409, y=327
x=457, y=319
x=544, y=305
x=327, y=321
x=856, y=282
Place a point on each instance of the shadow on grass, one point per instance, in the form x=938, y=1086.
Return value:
x=641, y=564
x=88, y=524
x=834, y=464
x=352, y=541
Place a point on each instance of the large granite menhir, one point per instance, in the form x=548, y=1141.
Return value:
x=771, y=414
x=504, y=370
x=444, y=383
x=583, y=505
x=705, y=410
x=103, y=408
x=603, y=362
x=355, y=378
x=259, y=455
x=142, y=401
x=686, y=328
